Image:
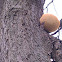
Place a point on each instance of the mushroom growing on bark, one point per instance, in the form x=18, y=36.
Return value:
x=51, y=22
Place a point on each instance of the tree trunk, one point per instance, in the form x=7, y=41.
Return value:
x=21, y=37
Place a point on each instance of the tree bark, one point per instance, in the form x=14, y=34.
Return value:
x=21, y=37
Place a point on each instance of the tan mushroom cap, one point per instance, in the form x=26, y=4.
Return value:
x=51, y=22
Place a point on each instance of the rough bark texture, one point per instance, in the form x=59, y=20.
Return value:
x=21, y=37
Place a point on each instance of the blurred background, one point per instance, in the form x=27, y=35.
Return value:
x=54, y=8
